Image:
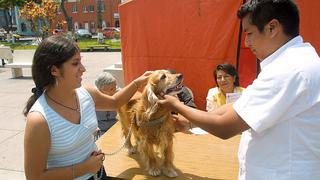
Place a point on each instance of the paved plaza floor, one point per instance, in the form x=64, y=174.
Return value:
x=13, y=96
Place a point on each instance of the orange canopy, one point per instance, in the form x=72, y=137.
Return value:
x=309, y=21
x=192, y=37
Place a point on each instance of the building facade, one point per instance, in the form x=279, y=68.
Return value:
x=85, y=15
x=5, y=18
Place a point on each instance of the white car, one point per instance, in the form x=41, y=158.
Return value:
x=83, y=33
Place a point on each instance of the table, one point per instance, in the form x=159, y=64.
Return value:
x=200, y=157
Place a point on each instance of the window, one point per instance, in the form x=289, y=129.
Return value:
x=104, y=24
x=23, y=27
x=75, y=26
x=92, y=27
x=91, y=8
x=116, y=23
x=103, y=7
x=74, y=8
x=84, y=9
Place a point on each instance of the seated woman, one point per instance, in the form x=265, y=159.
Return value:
x=227, y=81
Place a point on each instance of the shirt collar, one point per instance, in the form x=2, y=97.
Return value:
x=273, y=56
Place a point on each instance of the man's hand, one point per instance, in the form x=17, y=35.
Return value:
x=181, y=123
x=169, y=102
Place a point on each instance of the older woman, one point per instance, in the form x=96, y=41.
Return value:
x=227, y=81
x=107, y=84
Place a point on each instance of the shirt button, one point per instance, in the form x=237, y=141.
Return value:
x=241, y=171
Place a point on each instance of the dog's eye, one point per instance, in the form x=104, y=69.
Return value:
x=163, y=76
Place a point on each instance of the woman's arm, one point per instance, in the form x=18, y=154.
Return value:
x=36, y=149
x=105, y=102
x=212, y=105
x=211, y=99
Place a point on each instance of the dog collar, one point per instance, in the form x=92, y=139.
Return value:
x=150, y=123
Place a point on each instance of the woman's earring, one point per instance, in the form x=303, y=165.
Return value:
x=57, y=82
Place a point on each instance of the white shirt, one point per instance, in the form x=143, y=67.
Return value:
x=282, y=107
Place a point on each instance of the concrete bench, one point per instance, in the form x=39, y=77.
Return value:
x=16, y=68
x=21, y=59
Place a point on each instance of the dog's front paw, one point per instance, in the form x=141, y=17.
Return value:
x=154, y=171
x=132, y=150
x=170, y=172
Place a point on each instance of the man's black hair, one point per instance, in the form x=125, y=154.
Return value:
x=262, y=12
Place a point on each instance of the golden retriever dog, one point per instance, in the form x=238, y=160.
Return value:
x=152, y=125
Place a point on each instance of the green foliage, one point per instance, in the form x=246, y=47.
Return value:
x=7, y=4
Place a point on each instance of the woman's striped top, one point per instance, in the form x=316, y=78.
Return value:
x=70, y=143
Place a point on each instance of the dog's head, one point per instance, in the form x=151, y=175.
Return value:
x=161, y=82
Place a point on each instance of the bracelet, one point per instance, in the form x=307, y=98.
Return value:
x=135, y=83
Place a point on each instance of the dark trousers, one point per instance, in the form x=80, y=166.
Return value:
x=104, y=175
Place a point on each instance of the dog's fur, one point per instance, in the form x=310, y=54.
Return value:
x=154, y=139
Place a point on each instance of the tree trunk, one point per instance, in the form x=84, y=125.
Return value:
x=67, y=18
x=10, y=19
x=99, y=14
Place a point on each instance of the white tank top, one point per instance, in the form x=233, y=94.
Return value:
x=70, y=143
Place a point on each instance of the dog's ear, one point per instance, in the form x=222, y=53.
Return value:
x=152, y=101
x=152, y=98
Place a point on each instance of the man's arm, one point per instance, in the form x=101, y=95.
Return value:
x=223, y=122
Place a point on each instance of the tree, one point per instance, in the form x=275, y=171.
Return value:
x=6, y=4
x=66, y=17
x=44, y=11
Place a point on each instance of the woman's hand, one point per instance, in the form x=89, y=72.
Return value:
x=143, y=79
x=95, y=161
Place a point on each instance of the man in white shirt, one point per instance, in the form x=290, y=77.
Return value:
x=279, y=114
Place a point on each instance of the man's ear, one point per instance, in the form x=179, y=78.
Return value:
x=273, y=27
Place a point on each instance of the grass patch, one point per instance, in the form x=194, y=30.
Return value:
x=83, y=44
x=21, y=45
